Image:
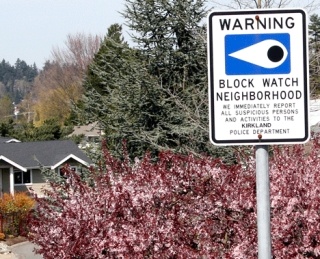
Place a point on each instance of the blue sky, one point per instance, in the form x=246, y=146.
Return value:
x=31, y=28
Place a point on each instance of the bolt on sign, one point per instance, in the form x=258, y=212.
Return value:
x=258, y=77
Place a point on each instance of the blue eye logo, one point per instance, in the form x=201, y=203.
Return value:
x=254, y=54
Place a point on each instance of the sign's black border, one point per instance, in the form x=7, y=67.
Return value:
x=306, y=80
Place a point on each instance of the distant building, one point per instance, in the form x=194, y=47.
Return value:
x=91, y=133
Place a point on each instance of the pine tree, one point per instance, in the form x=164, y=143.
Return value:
x=117, y=90
x=171, y=36
x=154, y=96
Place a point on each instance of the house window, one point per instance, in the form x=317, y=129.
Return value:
x=21, y=177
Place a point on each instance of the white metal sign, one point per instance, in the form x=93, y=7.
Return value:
x=258, y=77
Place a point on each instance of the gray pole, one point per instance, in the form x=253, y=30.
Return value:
x=263, y=202
x=263, y=199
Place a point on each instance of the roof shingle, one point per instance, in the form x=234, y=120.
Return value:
x=46, y=153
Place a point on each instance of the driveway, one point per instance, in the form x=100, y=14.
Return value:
x=24, y=250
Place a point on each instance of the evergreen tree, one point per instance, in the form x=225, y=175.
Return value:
x=6, y=127
x=17, y=79
x=155, y=95
x=50, y=130
x=117, y=89
x=171, y=37
x=109, y=57
x=6, y=72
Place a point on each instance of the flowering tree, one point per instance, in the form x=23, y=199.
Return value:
x=295, y=202
x=180, y=207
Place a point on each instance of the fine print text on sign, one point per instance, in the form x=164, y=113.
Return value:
x=258, y=77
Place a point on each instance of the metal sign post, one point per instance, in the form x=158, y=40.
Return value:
x=263, y=202
x=263, y=196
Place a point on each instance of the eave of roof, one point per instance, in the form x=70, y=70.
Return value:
x=22, y=168
x=69, y=157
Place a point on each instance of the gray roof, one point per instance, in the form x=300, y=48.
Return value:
x=46, y=153
x=92, y=129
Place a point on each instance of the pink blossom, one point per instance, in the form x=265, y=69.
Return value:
x=182, y=207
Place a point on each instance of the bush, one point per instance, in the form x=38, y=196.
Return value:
x=14, y=210
x=19, y=202
x=181, y=207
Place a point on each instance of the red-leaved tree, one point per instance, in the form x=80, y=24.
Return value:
x=181, y=207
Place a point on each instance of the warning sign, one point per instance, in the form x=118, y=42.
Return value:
x=258, y=77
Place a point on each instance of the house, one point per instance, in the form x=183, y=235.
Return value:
x=20, y=162
x=91, y=133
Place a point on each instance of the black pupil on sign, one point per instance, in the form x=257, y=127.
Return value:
x=275, y=53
